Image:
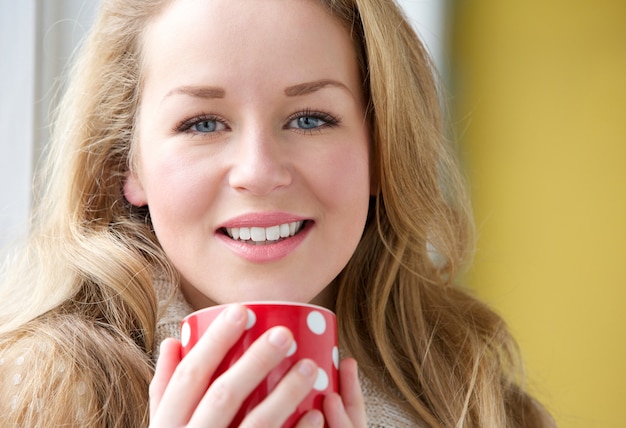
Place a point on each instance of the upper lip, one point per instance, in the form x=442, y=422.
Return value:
x=264, y=219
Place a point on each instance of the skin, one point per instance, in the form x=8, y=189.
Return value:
x=251, y=112
x=253, y=73
x=178, y=397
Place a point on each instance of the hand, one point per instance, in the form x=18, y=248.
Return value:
x=346, y=409
x=178, y=392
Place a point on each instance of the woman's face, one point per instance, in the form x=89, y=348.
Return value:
x=253, y=149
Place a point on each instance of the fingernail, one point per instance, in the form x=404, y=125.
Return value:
x=306, y=368
x=315, y=418
x=278, y=337
x=234, y=313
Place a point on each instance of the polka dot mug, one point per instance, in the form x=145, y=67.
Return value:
x=315, y=332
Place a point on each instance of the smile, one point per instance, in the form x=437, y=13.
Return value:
x=264, y=235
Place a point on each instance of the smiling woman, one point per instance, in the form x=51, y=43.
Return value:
x=219, y=151
x=262, y=139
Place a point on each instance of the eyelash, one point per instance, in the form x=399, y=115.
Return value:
x=330, y=121
x=186, y=125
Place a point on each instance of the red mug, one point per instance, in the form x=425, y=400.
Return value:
x=314, y=329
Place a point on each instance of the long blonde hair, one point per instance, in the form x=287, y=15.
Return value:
x=89, y=265
x=81, y=290
x=450, y=357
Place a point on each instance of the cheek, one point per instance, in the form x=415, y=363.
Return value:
x=343, y=188
x=346, y=196
x=346, y=177
x=177, y=189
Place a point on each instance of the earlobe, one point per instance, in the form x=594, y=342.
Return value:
x=133, y=191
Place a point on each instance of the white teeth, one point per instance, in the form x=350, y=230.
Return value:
x=244, y=233
x=272, y=233
x=262, y=235
x=257, y=234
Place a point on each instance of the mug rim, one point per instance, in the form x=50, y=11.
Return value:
x=257, y=303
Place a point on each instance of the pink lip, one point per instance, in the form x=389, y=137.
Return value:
x=261, y=220
x=268, y=252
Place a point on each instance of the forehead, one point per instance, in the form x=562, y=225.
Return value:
x=248, y=36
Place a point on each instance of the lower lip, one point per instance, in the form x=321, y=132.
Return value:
x=268, y=252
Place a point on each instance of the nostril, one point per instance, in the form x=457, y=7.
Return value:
x=259, y=174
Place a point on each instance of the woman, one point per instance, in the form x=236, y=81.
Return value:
x=187, y=123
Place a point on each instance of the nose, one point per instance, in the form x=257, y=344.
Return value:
x=259, y=164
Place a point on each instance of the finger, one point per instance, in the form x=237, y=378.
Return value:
x=285, y=397
x=312, y=419
x=347, y=409
x=335, y=413
x=351, y=393
x=227, y=393
x=190, y=380
x=169, y=357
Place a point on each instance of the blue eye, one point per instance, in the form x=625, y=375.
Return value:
x=206, y=126
x=203, y=125
x=311, y=121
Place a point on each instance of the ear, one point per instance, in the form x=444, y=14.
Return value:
x=133, y=191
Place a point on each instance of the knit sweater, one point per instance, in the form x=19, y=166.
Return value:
x=382, y=411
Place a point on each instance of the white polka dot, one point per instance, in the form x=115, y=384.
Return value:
x=251, y=319
x=292, y=350
x=17, y=379
x=185, y=334
x=336, y=357
x=316, y=322
x=321, y=383
x=20, y=360
x=80, y=414
x=61, y=368
x=1, y=361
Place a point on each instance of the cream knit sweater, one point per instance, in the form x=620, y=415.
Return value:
x=382, y=411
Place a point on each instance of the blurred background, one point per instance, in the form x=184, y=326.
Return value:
x=538, y=92
x=537, y=98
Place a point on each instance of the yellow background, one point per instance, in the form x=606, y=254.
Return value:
x=539, y=103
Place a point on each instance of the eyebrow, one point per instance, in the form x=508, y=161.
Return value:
x=309, y=87
x=207, y=92
x=212, y=92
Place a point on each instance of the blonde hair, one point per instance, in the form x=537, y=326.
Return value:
x=450, y=357
x=80, y=293
x=87, y=271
